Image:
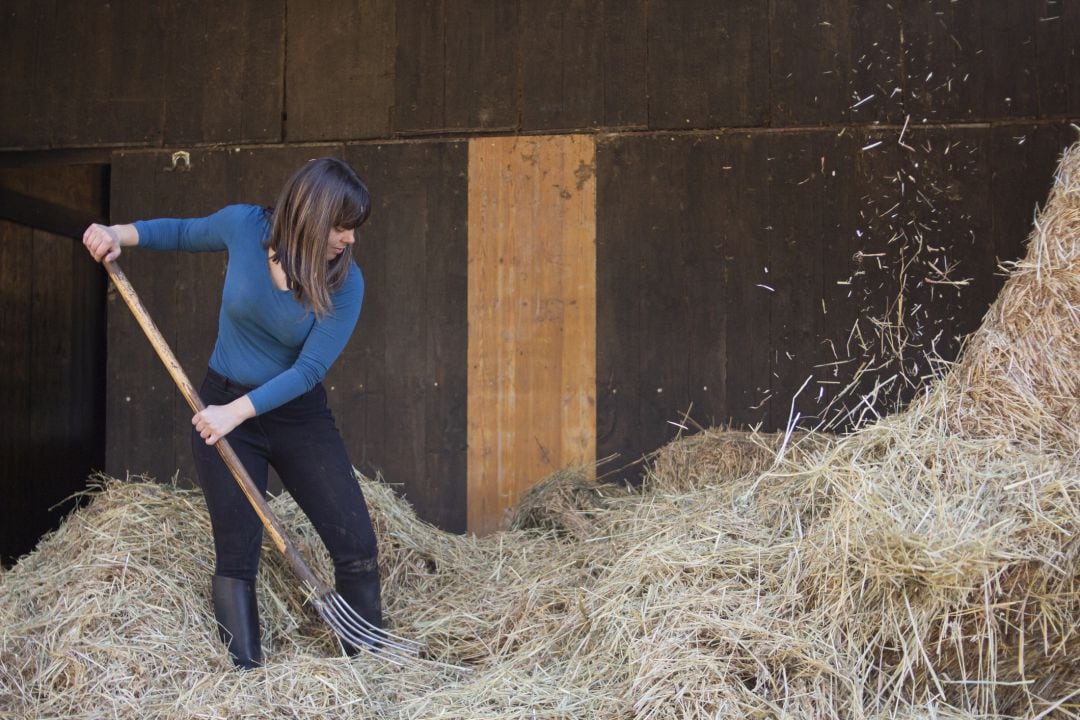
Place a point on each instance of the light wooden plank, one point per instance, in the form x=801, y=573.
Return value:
x=532, y=316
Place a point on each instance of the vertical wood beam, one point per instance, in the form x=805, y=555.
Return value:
x=532, y=316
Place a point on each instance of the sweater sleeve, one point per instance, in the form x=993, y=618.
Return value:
x=324, y=344
x=205, y=234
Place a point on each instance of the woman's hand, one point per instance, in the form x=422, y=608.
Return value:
x=102, y=241
x=217, y=421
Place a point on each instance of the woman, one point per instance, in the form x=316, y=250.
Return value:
x=291, y=299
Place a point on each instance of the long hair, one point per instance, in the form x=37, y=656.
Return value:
x=322, y=195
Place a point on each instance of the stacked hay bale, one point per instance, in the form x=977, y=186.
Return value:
x=925, y=566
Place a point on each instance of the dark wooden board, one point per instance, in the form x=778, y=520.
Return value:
x=223, y=71
x=482, y=65
x=1056, y=59
x=141, y=397
x=256, y=175
x=1012, y=57
x=834, y=61
x=60, y=456
x=795, y=277
x=680, y=245
x=876, y=191
x=583, y=64
x=625, y=63
x=16, y=468
x=708, y=64
x=25, y=121
x=838, y=307
x=404, y=374
x=1024, y=159
x=103, y=73
x=1070, y=20
x=619, y=223
x=945, y=60
x=53, y=377
x=810, y=62
x=949, y=240
x=877, y=65
x=749, y=306
x=420, y=66
x=829, y=246
x=339, y=69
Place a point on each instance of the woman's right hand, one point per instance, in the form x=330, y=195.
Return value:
x=102, y=241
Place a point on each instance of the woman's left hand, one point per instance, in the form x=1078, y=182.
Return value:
x=217, y=421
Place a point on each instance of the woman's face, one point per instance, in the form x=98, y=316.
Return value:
x=338, y=241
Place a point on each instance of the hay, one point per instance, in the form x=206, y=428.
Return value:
x=925, y=566
x=721, y=455
x=565, y=503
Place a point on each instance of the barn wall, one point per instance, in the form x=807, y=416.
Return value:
x=178, y=71
x=778, y=186
x=52, y=355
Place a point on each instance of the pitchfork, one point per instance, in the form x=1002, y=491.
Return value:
x=346, y=622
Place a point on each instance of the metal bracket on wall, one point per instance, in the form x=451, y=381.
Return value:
x=181, y=160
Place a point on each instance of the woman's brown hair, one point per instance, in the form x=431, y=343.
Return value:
x=322, y=195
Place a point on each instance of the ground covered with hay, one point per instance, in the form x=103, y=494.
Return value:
x=925, y=566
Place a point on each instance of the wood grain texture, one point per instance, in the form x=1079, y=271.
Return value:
x=532, y=362
x=223, y=67
x=16, y=462
x=52, y=378
x=943, y=45
x=731, y=268
x=140, y=436
x=482, y=65
x=708, y=63
x=583, y=64
x=420, y=66
x=339, y=76
x=834, y=61
x=402, y=382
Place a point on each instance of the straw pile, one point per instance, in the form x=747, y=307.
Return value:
x=925, y=566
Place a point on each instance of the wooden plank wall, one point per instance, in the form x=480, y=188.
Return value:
x=149, y=74
x=52, y=354
x=730, y=268
x=404, y=375
x=532, y=323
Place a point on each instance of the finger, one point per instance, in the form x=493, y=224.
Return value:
x=113, y=254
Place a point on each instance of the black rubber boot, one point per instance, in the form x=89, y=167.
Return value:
x=237, y=612
x=363, y=593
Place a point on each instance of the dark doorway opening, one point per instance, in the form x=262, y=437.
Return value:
x=52, y=346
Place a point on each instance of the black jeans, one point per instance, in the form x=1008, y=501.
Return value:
x=300, y=440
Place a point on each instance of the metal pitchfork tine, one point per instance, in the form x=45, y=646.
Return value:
x=346, y=622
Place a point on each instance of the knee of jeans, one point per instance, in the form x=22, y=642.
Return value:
x=356, y=569
x=353, y=554
x=238, y=557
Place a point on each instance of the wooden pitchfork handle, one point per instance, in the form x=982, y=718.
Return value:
x=269, y=520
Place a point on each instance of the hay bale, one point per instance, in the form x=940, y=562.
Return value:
x=565, y=503
x=925, y=566
x=723, y=455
